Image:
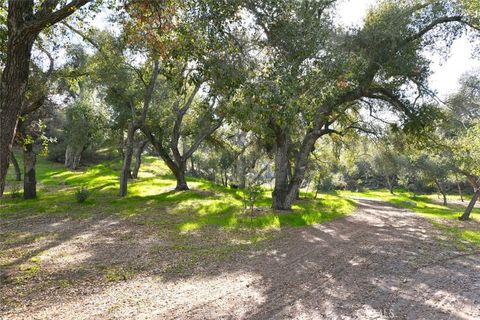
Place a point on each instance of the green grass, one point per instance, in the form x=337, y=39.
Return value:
x=151, y=200
x=443, y=217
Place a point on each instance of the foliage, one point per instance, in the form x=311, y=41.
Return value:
x=250, y=196
x=82, y=194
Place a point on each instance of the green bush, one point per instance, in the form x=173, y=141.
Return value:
x=82, y=194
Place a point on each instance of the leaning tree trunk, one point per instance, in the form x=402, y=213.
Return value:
x=442, y=191
x=138, y=158
x=29, y=181
x=127, y=160
x=18, y=172
x=466, y=215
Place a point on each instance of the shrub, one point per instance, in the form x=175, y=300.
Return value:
x=251, y=194
x=82, y=194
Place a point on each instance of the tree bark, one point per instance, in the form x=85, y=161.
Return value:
x=285, y=191
x=12, y=88
x=280, y=194
x=127, y=160
x=138, y=158
x=18, y=172
x=30, y=181
x=466, y=215
x=179, y=173
x=474, y=182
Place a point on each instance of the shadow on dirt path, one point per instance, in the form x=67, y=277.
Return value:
x=381, y=262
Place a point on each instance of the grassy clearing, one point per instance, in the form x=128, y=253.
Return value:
x=443, y=217
x=194, y=228
x=152, y=201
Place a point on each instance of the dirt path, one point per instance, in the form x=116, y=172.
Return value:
x=380, y=263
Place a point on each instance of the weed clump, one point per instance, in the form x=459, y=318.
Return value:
x=82, y=194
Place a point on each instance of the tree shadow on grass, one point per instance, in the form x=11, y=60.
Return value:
x=382, y=262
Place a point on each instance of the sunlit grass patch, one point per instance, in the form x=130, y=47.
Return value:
x=152, y=201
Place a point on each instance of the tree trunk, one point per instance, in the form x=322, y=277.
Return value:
x=13, y=84
x=285, y=192
x=138, y=158
x=73, y=156
x=18, y=172
x=280, y=198
x=179, y=173
x=466, y=215
x=460, y=191
x=30, y=181
x=68, y=156
x=442, y=191
x=192, y=166
x=125, y=174
x=77, y=156
x=389, y=183
x=23, y=27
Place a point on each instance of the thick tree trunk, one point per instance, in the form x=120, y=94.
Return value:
x=138, y=158
x=280, y=194
x=18, y=172
x=285, y=191
x=179, y=173
x=30, y=181
x=125, y=174
x=466, y=215
x=13, y=85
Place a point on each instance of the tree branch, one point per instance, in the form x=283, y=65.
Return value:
x=46, y=17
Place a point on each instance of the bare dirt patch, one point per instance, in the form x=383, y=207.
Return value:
x=380, y=263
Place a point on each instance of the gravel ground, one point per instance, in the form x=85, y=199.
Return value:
x=379, y=263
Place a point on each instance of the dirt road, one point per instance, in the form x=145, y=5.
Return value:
x=379, y=263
